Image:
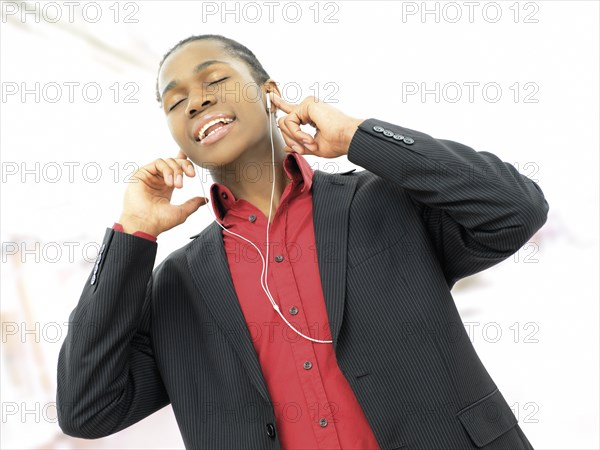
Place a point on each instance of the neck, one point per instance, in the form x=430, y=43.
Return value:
x=250, y=176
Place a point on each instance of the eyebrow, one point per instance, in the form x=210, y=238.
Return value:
x=199, y=68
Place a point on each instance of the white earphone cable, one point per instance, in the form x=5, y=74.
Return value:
x=264, y=272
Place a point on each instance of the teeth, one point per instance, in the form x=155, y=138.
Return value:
x=211, y=123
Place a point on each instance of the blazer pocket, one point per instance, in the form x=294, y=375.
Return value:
x=487, y=418
x=379, y=239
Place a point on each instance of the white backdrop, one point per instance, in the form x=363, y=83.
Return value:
x=518, y=79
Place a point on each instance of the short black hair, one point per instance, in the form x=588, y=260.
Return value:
x=233, y=48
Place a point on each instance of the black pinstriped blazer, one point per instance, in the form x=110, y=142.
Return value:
x=391, y=242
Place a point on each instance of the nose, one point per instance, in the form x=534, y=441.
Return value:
x=198, y=102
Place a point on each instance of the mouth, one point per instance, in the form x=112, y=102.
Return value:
x=214, y=130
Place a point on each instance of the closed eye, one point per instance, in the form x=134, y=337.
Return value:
x=173, y=107
x=210, y=84
x=218, y=81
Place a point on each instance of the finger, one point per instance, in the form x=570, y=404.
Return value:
x=177, y=172
x=190, y=206
x=285, y=133
x=187, y=166
x=295, y=119
x=159, y=170
x=297, y=139
x=282, y=104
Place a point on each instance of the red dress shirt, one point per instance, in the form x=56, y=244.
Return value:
x=314, y=405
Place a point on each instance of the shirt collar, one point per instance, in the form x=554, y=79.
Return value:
x=295, y=166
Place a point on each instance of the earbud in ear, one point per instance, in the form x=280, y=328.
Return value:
x=269, y=102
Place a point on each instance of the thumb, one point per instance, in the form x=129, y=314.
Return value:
x=190, y=206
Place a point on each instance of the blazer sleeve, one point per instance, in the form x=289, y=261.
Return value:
x=477, y=209
x=107, y=378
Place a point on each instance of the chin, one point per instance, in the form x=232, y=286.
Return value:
x=220, y=157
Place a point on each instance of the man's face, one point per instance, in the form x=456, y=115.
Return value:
x=233, y=92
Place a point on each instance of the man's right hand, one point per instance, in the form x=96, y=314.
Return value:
x=147, y=204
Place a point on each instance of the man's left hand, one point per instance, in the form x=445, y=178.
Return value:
x=334, y=128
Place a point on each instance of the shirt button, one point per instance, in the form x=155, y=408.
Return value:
x=293, y=310
x=323, y=422
x=270, y=430
x=408, y=140
x=224, y=194
x=307, y=365
x=388, y=133
x=378, y=128
x=279, y=258
x=398, y=137
x=251, y=217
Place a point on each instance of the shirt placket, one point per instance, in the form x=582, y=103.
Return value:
x=304, y=356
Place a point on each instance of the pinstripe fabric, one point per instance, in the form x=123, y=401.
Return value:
x=391, y=242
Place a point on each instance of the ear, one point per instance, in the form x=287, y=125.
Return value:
x=271, y=86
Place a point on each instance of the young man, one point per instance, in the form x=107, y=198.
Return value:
x=364, y=347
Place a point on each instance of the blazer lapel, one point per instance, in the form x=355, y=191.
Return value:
x=210, y=272
x=332, y=194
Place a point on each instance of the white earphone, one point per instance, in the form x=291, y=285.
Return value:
x=269, y=104
x=265, y=269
